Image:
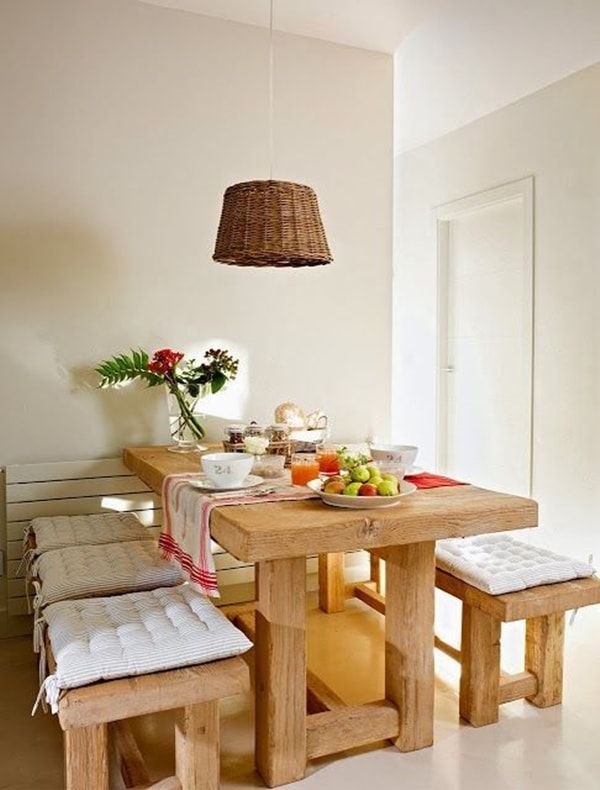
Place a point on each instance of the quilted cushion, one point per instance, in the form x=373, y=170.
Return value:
x=500, y=564
x=58, y=532
x=110, y=569
x=106, y=638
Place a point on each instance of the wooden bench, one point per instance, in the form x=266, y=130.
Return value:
x=483, y=686
x=88, y=715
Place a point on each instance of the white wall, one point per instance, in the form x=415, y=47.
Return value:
x=122, y=124
x=468, y=58
x=553, y=135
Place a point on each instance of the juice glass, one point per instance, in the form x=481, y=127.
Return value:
x=305, y=467
x=328, y=461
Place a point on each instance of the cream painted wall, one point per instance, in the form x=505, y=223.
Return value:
x=122, y=124
x=468, y=58
x=553, y=135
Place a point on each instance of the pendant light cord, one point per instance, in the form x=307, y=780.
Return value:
x=271, y=92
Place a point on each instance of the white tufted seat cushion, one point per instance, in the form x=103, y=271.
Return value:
x=106, y=638
x=500, y=564
x=109, y=569
x=58, y=532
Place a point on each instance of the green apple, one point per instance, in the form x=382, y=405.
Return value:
x=387, y=488
x=376, y=480
x=352, y=489
x=374, y=471
x=390, y=478
x=360, y=474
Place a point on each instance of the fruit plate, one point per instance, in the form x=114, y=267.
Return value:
x=361, y=502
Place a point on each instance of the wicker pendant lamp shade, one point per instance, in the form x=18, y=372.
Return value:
x=271, y=223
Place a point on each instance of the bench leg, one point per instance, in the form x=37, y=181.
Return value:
x=86, y=757
x=544, y=648
x=332, y=592
x=197, y=746
x=480, y=667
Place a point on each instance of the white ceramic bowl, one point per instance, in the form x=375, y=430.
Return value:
x=401, y=454
x=362, y=502
x=227, y=470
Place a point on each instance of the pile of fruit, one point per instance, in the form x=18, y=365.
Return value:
x=359, y=477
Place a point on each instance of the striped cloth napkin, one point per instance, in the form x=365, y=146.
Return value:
x=185, y=535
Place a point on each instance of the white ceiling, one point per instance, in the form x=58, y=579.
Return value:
x=371, y=24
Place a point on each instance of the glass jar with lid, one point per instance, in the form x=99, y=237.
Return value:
x=254, y=430
x=235, y=434
x=278, y=432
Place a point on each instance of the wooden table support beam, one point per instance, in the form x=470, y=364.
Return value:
x=351, y=727
x=319, y=697
x=409, y=670
x=280, y=661
x=331, y=582
x=518, y=686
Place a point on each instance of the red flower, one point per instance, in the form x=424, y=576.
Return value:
x=164, y=361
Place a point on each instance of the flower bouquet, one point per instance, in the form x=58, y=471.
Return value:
x=186, y=381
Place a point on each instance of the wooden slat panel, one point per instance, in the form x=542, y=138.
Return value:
x=65, y=470
x=16, y=607
x=20, y=511
x=69, y=489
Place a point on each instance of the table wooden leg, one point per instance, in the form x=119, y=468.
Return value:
x=332, y=590
x=375, y=575
x=409, y=671
x=280, y=661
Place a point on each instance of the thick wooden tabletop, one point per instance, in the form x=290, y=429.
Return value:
x=278, y=530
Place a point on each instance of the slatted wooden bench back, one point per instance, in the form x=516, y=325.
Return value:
x=82, y=488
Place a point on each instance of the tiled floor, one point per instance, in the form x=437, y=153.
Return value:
x=529, y=749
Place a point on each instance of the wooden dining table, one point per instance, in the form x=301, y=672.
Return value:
x=278, y=537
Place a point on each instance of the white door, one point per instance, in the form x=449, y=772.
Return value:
x=485, y=338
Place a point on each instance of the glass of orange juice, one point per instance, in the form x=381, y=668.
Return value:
x=305, y=467
x=329, y=463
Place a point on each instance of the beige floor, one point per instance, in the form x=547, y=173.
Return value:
x=529, y=749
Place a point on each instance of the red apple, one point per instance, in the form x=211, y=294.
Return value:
x=367, y=489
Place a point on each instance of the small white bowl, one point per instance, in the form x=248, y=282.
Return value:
x=401, y=454
x=227, y=470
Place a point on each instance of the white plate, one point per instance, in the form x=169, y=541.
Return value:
x=362, y=502
x=205, y=485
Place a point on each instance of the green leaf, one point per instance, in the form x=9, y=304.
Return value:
x=218, y=382
x=122, y=368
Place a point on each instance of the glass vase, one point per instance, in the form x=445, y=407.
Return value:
x=185, y=423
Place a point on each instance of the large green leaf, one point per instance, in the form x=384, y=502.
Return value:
x=122, y=368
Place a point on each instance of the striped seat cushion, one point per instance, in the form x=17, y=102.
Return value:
x=109, y=569
x=500, y=564
x=106, y=638
x=58, y=532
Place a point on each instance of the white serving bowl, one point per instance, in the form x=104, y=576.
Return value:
x=362, y=502
x=400, y=454
x=227, y=470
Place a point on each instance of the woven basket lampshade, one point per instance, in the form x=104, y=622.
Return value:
x=271, y=223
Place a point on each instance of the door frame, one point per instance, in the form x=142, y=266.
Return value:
x=522, y=188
